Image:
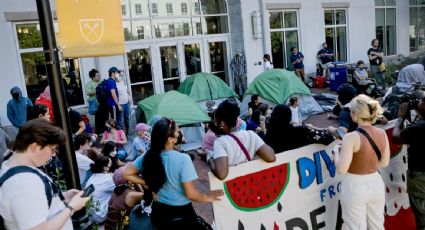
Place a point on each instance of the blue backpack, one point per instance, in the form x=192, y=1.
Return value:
x=50, y=187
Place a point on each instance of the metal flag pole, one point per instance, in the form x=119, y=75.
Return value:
x=67, y=156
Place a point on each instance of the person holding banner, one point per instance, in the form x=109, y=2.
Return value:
x=234, y=146
x=362, y=152
x=413, y=135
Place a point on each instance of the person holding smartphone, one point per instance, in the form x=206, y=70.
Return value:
x=362, y=152
x=30, y=200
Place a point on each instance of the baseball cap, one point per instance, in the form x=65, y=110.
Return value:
x=113, y=69
x=142, y=126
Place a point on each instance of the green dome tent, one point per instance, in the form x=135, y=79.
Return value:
x=172, y=104
x=276, y=86
x=205, y=86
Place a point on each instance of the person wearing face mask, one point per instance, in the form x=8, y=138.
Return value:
x=110, y=150
x=125, y=102
x=17, y=109
x=115, y=135
x=361, y=80
x=112, y=91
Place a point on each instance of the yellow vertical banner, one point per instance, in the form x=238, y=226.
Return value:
x=90, y=28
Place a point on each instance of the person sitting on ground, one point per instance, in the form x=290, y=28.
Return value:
x=110, y=150
x=254, y=104
x=124, y=197
x=362, y=187
x=282, y=135
x=234, y=147
x=24, y=197
x=254, y=124
x=141, y=143
x=104, y=185
x=267, y=62
x=170, y=175
x=320, y=71
x=117, y=136
x=39, y=111
x=82, y=144
x=209, y=138
x=294, y=105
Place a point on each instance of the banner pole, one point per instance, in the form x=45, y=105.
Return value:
x=67, y=156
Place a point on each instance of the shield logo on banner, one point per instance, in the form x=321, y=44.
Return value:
x=91, y=30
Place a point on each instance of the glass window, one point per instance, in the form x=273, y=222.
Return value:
x=417, y=26
x=154, y=9
x=186, y=29
x=214, y=7
x=278, y=56
x=198, y=28
x=137, y=29
x=340, y=17
x=184, y=8
x=29, y=35
x=290, y=19
x=173, y=27
x=218, y=59
x=385, y=19
x=379, y=2
x=216, y=24
x=291, y=40
x=171, y=84
x=336, y=33
x=171, y=30
x=169, y=7
x=123, y=10
x=34, y=68
x=275, y=19
x=138, y=9
x=329, y=17
x=196, y=8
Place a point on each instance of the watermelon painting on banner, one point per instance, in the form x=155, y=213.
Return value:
x=301, y=191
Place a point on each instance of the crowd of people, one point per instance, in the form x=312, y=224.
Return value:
x=152, y=183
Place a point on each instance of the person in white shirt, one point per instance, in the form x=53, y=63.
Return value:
x=227, y=150
x=24, y=202
x=267, y=62
x=125, y=102
x=104, y=186
x=294, y=105
x=82, y=144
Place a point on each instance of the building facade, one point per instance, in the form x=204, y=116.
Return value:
x=168, y=40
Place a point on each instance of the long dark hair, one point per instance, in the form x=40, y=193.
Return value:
x=153, y=169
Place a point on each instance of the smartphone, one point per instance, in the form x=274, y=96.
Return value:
x=88, y=191
x=340, y=133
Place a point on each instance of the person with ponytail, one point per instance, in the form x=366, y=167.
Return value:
x=362, y=152
x=170, y=175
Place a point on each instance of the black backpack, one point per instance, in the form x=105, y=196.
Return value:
x=50, y=187
x=101, y=92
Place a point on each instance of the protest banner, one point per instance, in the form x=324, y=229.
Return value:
x=301, y=191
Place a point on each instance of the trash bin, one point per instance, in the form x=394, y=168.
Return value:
x=338, y=75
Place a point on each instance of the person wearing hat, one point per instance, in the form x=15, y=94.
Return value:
x=141, y=142
x=413, y=136
x=112, y=91
x=125, y=196
x=17, y=109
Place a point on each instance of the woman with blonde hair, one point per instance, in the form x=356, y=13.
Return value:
x=363, y=151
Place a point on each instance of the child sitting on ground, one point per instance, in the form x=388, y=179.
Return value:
x=141, y=143
x=296, y=116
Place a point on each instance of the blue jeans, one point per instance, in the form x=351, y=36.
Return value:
x=124, y=116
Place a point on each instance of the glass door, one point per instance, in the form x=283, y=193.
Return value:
x=218, y=59
x=193, y=57
x=140, y=70
x=170, y=66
